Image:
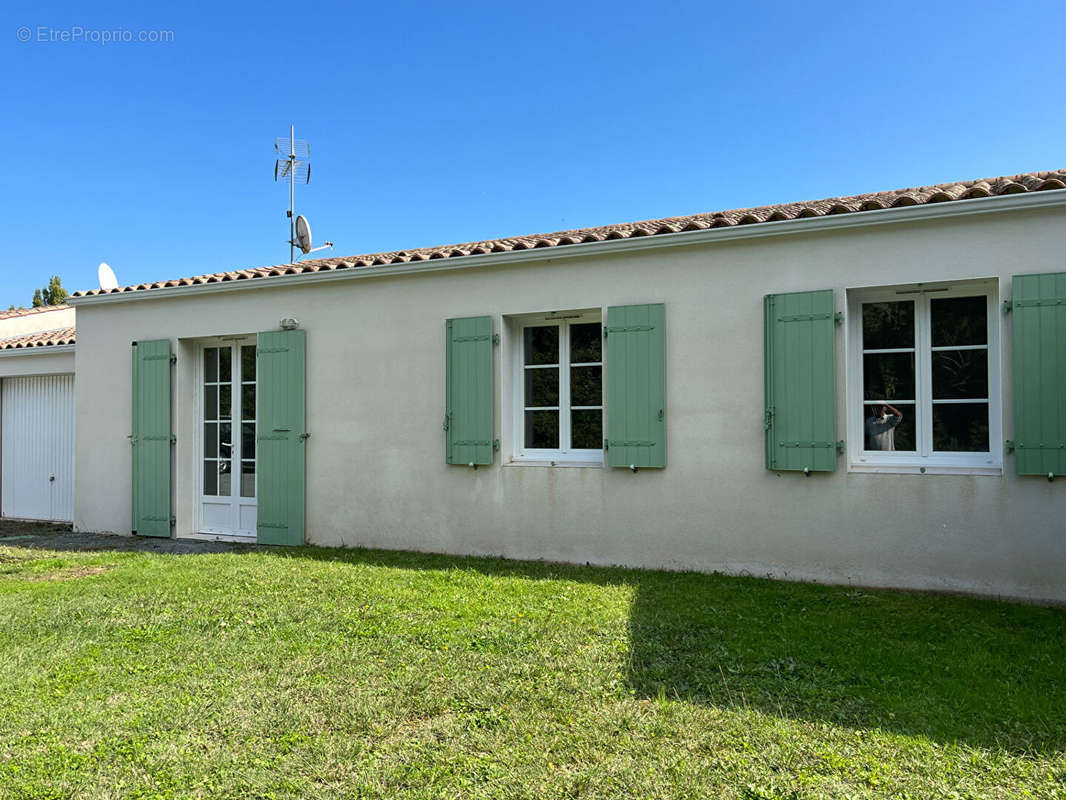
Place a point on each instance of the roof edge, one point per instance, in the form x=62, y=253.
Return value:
x=37, y=350
x=1047, y=198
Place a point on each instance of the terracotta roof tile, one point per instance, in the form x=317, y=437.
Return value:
x=40, y=339
x=921, y=195
x=25, y=312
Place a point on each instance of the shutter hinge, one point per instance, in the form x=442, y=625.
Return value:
x=768, y=421
x=173, y=358
x=173, y=439
x=132, y=438
x=1010, y=445
x=1008, y=306
x=303, y=437
x=840, y=445
x=660, y=415
x=838, y=317
x=173, y=521
x=606, y=444
x=447, y=421
x=495, y=444
x=495, y=338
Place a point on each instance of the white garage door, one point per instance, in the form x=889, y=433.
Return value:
x=37, y=447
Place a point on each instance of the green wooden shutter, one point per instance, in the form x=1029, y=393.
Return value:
x=636, y=386
x=281, y=420
x=1039, y=329
x=151, y=438
x=468, y=418
x=800, y=375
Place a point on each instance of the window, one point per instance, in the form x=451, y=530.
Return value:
x=923, y=378
x=559, y=387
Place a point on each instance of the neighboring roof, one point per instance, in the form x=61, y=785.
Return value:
x=25, y=312
x=923, y=195
x=60, y=336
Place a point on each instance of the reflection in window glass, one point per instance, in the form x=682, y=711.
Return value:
x=542, y=387
x=586, y=429
x=888, y=376
x=888, y=325
x=960, y=374
x=225, y=364
x=542, y=429
x=211, y=478
x=541, y=344
x=888, y=432
x=248, y=363
x=959, y=321
x=247, y=479
x=586, y=340
x=960, y=427
x=225, y=487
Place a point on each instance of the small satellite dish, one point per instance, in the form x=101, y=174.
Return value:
x=106, y=276
x=303, y=234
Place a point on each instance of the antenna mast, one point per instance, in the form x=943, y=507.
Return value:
x=295, y=165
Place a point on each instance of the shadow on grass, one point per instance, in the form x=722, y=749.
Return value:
x=952, y=669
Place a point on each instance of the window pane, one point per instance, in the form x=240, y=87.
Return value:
x=210, y=402
x=248, y=401
x=884, y=430
x=225, y=440
x=586, y=386
x=211, y=478
x=225, y=392
x=211, y=364
x=887, y=325
x=211, y=440
x=542, y=429
x=586, y=430
x=586, y=340
x=247, y=440
x=224, y=479
x=542, y=387
x=960, y=427
x=959, y=320
x=888, y=376
x=225, y=365
x=248, y=362
x=541, y=344
x=247, y=479
x=960, y=374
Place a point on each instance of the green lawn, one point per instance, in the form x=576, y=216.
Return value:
x=348, y=673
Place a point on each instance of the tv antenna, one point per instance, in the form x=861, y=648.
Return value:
x=296, y=166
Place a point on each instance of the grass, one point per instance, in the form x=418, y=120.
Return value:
x=346, y=673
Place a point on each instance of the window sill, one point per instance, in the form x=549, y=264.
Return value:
x=927, y=469
x=540, y=462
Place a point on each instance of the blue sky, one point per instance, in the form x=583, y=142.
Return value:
x=433, y=123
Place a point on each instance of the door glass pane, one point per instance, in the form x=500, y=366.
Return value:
x=585, y=342
x=888, y=325
x=248, y=401
x=586, y=386
x=883, y=430
x=210, y=402
x=248, y=362
x=211, y=478
x=224, y=486
x=586, y=429
x=225, y=440
x=247, y=479
x=542, y=387
x=542, y=429
x=211, y=364
x=211, y=440
x=888, y=376
x=959, y=320
x=541, y=344
x=960, y=427
x=247, y=440
x=225, y=358
x=960, y=374
x=225, y=392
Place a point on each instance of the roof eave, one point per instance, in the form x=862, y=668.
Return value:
x=37, y=350
x=926, y=212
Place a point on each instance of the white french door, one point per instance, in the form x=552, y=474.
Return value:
x=227, y=411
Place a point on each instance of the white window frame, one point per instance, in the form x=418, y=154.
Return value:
x=562, y=456
x=925, y=460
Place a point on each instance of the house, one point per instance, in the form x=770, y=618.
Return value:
x=866, y=389
x=37, y=413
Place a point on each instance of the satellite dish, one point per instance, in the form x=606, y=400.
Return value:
x=106, y=276
x=303, y=233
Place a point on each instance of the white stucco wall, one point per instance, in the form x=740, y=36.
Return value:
x=50, y=320
x=36, y=361
x=376, y=474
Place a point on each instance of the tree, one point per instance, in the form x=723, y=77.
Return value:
x=51, y=295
